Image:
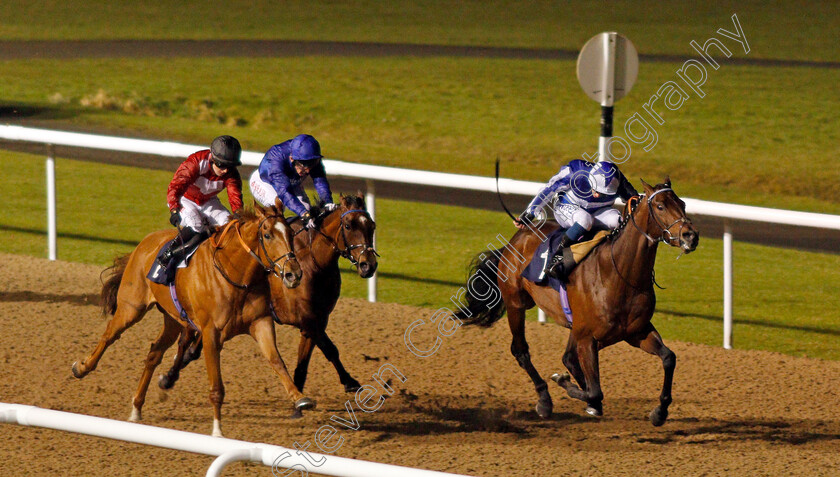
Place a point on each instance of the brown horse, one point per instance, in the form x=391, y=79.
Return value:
x=345, y=232
x=610, y=293
x=221, y=292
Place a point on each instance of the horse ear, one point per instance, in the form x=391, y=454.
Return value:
x=667, y=182
x=648, y=187
x=278, y=206
x=259, y=209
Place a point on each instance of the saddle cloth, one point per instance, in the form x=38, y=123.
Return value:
x=535, y=271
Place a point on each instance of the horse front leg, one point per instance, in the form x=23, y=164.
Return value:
x=165, y=339
x=572, y=364
x=586, y=354
x=330, y=351
x=651, y=342
x=262, y=330
x=519, y=349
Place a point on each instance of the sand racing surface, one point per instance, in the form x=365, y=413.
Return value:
x=466, y=409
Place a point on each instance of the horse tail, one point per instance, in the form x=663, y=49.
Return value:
x=482, y=310
x=111, y=285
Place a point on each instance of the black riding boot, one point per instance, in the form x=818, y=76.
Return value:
x=561, y=264
x=181, y=246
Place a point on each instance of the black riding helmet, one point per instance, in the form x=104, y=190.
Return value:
x=226, y=151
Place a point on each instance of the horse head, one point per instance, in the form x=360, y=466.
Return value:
x=276, y=251
x=669, y=222
x=355, y=235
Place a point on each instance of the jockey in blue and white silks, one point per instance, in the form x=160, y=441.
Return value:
x=581, y=195
x=282, y=171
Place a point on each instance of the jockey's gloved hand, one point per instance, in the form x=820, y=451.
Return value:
x=236, y=215
x=307, y=221
x=175, y=218
x=526, y=217
x=330, y=207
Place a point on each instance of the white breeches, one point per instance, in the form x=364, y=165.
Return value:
x=265, y=193
x=198, y=217
x=605, y=218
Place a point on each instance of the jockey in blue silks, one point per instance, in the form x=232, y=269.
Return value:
x=282, y=171
x=581, y=195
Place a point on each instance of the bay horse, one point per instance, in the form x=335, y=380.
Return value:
x=610, y=294
x=345, y=232
x=220, y=293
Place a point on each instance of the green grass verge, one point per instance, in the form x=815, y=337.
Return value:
x=779, y=306
x=755, y=137
x=781, y=29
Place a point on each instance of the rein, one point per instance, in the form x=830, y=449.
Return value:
x=271, y=267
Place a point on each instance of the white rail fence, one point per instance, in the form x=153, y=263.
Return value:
x=372, y=174
x=225, y=450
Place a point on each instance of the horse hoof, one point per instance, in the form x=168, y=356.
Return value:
x=135, y=415
x=304, y=403
x=165, y=382
x=658, y=416
x=594, y=412
x=76, y=373
x=352, y=387
x=561, y=379
x=544, y=410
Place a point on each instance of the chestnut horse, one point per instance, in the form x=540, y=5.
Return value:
x=610, y=294
x=345, y=232
x=220, y=292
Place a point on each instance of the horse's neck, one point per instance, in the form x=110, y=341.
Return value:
x=633, y=252
x=325, y=245
x=236, y=253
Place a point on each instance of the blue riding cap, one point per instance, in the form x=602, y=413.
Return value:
x=604, y=178
x=305, y=148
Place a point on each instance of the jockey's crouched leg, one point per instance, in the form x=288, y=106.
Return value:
x=563, y=261
x=181, y=246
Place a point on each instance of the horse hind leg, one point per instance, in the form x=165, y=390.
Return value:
x=165, y=339
x=519, y=350
x=124, y=318
x=189, y=349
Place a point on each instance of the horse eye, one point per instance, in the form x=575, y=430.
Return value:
x=660, y=207
x=267, y=236
x=346, y=226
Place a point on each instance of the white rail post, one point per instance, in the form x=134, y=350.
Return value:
x=541, y=315
x=370, y=201
x=51, y=228
x=727, y=286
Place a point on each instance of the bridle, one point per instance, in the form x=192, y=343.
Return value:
x=665, y=235
x=270, y=267
x=348, y=248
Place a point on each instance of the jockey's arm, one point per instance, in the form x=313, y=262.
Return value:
x=184, y=176
x=281, y=185
x=234, y=191
x=626, y=189
x=322, y=185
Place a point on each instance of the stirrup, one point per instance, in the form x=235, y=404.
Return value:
x=555, y=268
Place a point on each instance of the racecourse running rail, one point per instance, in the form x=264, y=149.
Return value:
x=373, y=174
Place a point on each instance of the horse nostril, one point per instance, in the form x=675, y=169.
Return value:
x=290, y=277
